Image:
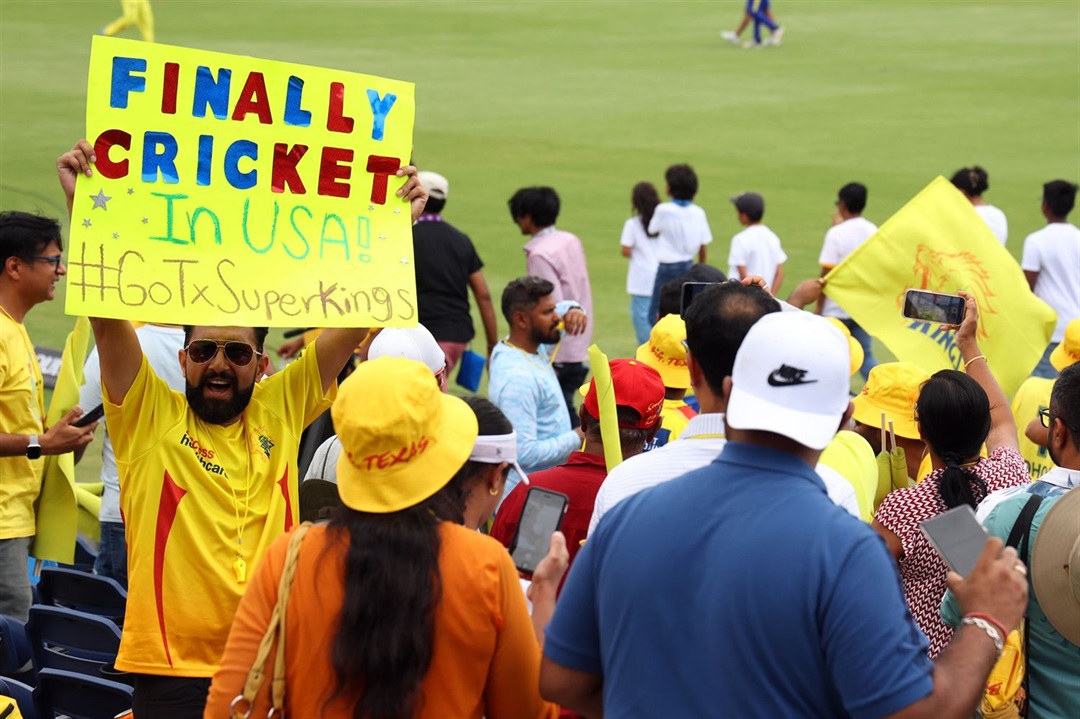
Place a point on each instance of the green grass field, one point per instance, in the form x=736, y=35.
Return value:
x=592, y=97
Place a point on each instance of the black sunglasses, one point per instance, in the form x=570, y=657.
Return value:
x=238, y=353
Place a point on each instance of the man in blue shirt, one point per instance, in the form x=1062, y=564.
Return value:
x=741, y=590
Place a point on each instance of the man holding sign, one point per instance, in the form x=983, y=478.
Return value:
x=191, y=207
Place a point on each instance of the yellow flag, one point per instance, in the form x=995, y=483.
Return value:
x=57, y=509
x=937, y=242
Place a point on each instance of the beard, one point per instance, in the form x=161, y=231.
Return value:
x=546, y=338
x=217, y=411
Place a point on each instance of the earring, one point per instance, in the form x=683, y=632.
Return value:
x=493, y=491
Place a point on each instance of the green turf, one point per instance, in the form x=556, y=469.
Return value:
x=592, y=97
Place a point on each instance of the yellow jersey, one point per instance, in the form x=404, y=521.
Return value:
x=202, y=502
x=22, y=411
x=674, y=416
x=1032, y=396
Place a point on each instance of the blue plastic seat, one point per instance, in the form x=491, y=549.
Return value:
x=88, y=593
x=14, y=648
x=79, y=696
x=22, y=694
x=72, y=641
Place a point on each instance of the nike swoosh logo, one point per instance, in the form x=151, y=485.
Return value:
x=775, y=381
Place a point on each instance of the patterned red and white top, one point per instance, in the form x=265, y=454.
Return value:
x=922, y=569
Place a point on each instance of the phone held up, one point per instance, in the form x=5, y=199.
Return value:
x=541, y=517
x=958, y=537
x=90, y=417
x=936, y=307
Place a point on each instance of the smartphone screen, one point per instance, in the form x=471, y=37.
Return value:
x=934, y=307
x=690, y=291
x=541, y=517
x=958, y=538
x=90, y=417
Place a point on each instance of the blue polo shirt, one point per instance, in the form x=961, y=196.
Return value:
x=740, y=590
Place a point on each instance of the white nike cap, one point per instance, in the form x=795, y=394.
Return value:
x=791, y=378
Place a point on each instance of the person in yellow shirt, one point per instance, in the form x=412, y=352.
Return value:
x=30, y=267
x=208, y=480
x=1034, y=396
x=137, y=13
x=892, y=389
x=666, y=353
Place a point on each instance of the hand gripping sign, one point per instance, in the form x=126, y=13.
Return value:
x=230, y=190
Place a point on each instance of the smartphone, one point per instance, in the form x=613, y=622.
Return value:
x=934, y=307
x=958, y=537
x=90, y=417
x=690, y=291
x=541, y=517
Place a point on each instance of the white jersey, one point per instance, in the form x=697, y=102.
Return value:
x=683, y=229
x=995, y=220
x=840, y=241
x=1054, y=252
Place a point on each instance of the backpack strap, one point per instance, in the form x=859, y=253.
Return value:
x=1018, y=539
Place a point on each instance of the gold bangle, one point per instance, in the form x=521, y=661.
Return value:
x=976, y=359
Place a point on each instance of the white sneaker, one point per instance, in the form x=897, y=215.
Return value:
x=730, y=37
x=776, y=37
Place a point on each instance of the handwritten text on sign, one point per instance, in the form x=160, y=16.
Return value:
x=235, y=191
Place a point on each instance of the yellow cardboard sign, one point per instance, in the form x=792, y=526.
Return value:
x=231, y=190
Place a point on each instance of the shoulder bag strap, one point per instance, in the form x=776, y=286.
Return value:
x=1018, y=538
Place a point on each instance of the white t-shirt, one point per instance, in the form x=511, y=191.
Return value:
x=162, y=346
x=995, y=220
x=840, y=241
x=1054, y=252
x=758, y=249
x=641, y=274
x=683, y=230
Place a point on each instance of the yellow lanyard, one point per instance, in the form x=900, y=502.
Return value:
x=550, y=360
x=239, y=565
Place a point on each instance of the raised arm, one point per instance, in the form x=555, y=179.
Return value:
x=487, y=310
x=121, y=356
x=1002, y=423
x=334, y=347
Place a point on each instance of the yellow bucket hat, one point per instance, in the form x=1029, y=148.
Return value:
x=1068, y=351
x=857, y=354
x=402, y=439
x=891, y=388
x=665, y=352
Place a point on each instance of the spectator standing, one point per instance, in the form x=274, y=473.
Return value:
x=1051, y=263
x=973, y=182
x=639, y=245
x=447, y=267
x=756, y=250
x=682, y=229
x=955, y=414
x=558, y=257
x=523, y=383
x=665, y=352
x=811, y=623
x=639, y=396
x=892, y=389
x=30, y=253
x=850, y=229
x=161, y=344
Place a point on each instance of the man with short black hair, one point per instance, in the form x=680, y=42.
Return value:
x=523, y=383
x=558, y=257
x=447, y=267
x=681, y=229
x=850, y=229
x=30, y=267
x=1051, y=263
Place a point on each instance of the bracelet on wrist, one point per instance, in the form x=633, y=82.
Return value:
x=976, y=359
x=993, y=620
x=990, y=629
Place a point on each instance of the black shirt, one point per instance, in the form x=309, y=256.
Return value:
x=444, y=259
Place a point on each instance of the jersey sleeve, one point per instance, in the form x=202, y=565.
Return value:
x=830, y=251
x=628, y=232
x=149, y=408
x=90, y=392
x=737, y=255
x=473, y=263
x=1031, y=259
x=298, y=389
x=658, y=223
x=706, y=231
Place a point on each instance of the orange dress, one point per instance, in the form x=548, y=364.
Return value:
x=486, y=661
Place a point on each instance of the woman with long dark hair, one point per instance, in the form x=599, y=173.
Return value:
x=956, y=413
x=973, y=182
x=396, y=609
x=640, y=246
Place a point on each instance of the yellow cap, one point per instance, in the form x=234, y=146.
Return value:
x=857, y=354
x=892, y=388
x=402, y=439
x=1068, y=351
x=665, y=352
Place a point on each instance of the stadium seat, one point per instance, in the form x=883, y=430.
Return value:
x=85, y=554
x=22, y=694
x=88, y=593
x=68, y=640
x=78, y=696
x=14, y=647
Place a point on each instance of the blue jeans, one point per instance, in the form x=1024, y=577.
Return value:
x=639, y=315
x=865, y=341
x=665, y=272
x=112, y=553
x=1044, y=368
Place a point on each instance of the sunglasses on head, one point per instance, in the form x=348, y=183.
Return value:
x=237, y=353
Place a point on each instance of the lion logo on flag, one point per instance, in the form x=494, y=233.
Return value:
x=946, y=271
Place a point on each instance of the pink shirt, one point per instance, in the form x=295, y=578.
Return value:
x=559, y=258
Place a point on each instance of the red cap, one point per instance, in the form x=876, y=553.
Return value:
x=637, y=386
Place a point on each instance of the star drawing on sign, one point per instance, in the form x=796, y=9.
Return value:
x=116, y=235
x=86, y=222
x=131, y=190
x=382, y=237
x=145, y=220
x=397, y=210
x=99, y=200
x=404, y=260
x=371, y=208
